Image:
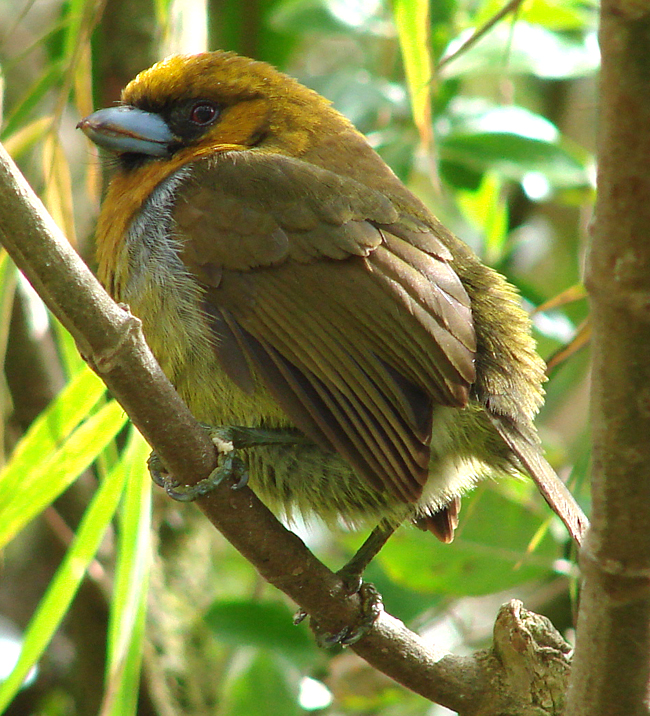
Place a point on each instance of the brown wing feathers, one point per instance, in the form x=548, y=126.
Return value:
x=310, y=320
x=347, y=383
x=317, y=410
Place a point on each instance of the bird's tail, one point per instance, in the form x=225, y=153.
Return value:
x=554, y=491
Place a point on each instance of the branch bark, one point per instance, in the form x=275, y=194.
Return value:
x=519, y=676
x=612, y=663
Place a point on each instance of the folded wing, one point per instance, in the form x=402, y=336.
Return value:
x=348, y=309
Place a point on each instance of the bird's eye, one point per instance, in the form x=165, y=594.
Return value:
x=203, y=113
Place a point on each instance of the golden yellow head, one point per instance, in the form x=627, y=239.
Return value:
x=224, y=77
x=219, y=99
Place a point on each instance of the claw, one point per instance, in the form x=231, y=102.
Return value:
x=243, y=477
x=228, y=440
x=157, y=470
x=299, y=617
x=351, y=575
x=232, y=467
x=372, y=606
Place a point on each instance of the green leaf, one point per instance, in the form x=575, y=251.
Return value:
x=412, y=21
x=67, y=347
x=50, y=78
x=486, y=210
x=48, y=432
x=263, y=685
x=27, y=137
x=478, y=116
x=49, y=476
x=297, y=17
x=488, y=555
x=8, y=281
x=262, y=624
x=293, y=16
x=477, y=136
x=129, y=600
x=64, y=586
x=397, y=147
x=360, y=96
x=74, y=17
x=460, y=176
x=514, y=156
x=567, y=15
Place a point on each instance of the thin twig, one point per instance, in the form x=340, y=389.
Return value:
x=510, y=7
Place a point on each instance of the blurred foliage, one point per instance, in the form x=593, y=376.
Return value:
x=496, y=136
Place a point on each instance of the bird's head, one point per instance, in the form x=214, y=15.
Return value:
x=211, y=102
x=188, y=109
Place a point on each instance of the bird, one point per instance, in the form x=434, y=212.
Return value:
x=289, y=283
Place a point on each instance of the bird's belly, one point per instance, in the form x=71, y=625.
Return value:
x=168, y=299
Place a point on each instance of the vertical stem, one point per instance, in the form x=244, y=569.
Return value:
x=612, y=661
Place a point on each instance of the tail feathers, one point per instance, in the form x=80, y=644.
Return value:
x=553, y=490
x=442, y=523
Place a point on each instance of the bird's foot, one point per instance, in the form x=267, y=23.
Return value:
x=231, y=466
x=228, y=440
x=351, y=574
x=371, y=607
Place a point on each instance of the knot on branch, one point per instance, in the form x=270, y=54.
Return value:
x=621, y=581
x=125, y=333
x=531, y=664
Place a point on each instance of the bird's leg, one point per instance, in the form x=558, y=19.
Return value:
x=240, y=438
x=352, y=571
x=351, y=574
x=231, y=439
x=228, y=441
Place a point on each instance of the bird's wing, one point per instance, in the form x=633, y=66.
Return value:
x=351, y=313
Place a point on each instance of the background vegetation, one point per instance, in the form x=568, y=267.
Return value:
x=122, y=606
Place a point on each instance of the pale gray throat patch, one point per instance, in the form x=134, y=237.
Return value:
x=152, y=248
